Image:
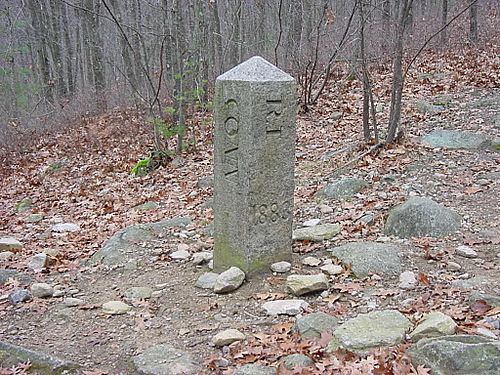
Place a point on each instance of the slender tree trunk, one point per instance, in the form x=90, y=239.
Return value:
x=70, y=55
x=473, y=33
x=444, y=21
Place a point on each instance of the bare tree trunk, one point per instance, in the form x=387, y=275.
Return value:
x=444, y=21
x=364, y=69
x=70, y=55
x=473, y=34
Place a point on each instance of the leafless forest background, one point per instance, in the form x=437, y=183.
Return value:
x=61, y=59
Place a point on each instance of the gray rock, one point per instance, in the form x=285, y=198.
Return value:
x=207, y=280
x=312, y=325
x=147, y=206
x=115, y=308
x=429, y=108
x=72, y=302
x=311, y=261
x=452, y=139
x=227, y=337
x=285, y=307
x=367, y=219
x=124, y=246
x=255, y=369
x=229, y=280
x=336, y=116
x=205, y=182
x=296, y=361
x=34, y=218
x=6, y=274
x=38, y=262
x=434, y=324
x=260, y=187
x=180, y=255
x=41, y=363
x=10, y=244
x=407, y=280
x=372, y=330
x=164, y=359
x=281, y=267
x=332, y=269
x=473, y=282
x=466, y=252
x=202, y=257
x=42, y=290
x=453, y=266
x=490, y=299
x=457, y=355
x=65, y=227
x=19, y=295
x=343, y=189
x=139, y=292
x=316, y=233
x=419, y=217
x=369, y=258
x=24, y=205
x=299, y=285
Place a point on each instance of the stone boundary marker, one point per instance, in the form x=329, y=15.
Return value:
x=255, y=109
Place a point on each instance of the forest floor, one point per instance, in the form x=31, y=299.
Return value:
x=82, y=175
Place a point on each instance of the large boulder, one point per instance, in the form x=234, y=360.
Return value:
x=419, y=217
x=164, y=359
x=343, y=189
x=434, y=324
x=125, y=245
x=368, y=331
x=41, y=363
x=313, y=325
x=457, y=355
x=369, y=258
x=452, y=139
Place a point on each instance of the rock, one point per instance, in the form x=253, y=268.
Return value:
x=311, y=223
x=24, y=205
x=10, y=244
x=255, y=369
x=41, y=363
x=407, y=280
x=336, y=116
x=473, y=282
x=6, y=274
x=281, y=267
x=312, y=325
x=229, y=280
x=5, y=256
x=125, y=245
x=180, y=255
x=72, y=302
x=311, y=261
x=34, y=218
x=368, y=331
x=342, y=189
x=490, y=299
x=227, y=337
x=205, y=182
x=299, y=285
x=115, y=308
x=453, y=267
x=434, y=324
x=207, y=280
x=38, y=263
x=325, y=209
x=147, y=206
x=369, y=258
x=419, y=217
x=316, y=233
x=164, y=359
x=42, y=290
x=139, y=292
x=495, y=144
x=466, y=252
x=332, y=269
x=457, y=354
x=367, y=219
x=285, y=307
x=429, y=108
x=452, y=139
x=65, y=227
x=202, y=257
x=296, y=361
x=19, y=295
